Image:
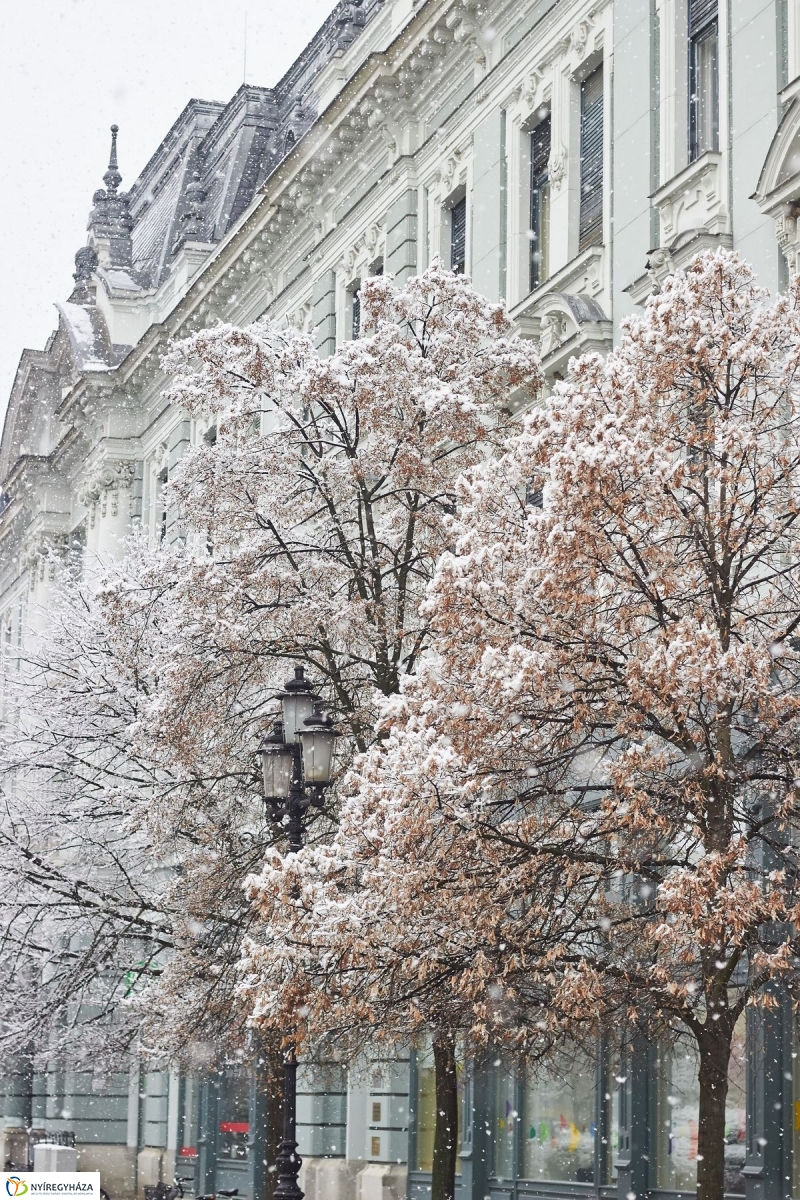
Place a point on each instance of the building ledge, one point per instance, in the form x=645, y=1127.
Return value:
x=693, y=201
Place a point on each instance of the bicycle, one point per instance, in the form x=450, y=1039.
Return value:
x=167, y=1191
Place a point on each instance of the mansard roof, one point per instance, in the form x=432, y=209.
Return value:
x=202, y=177
x=227, y=151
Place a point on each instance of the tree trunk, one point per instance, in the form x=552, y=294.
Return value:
x=445, y=1135
x=273, y=1083
x=715, y=1053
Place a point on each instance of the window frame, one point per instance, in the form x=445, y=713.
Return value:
x=592, y=134
x=458, y=236
x=539, y=205
x=703, y=28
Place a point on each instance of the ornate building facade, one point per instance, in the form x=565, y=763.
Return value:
x=567, y=154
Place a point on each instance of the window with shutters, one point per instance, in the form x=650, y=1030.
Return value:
x=703, y=77
x=458, y=237
x=539, y=232
x=591, y=210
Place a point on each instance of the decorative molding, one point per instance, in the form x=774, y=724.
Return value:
x=299, y=318
x=39, y=556
x=557, y=166
x=363, y=251
x=695, y=200
x=788, y=235
x=103, y=486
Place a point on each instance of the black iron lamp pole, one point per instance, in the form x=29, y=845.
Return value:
x=296, y=762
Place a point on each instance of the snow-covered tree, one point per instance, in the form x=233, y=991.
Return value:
x=100, y=891
x=85, y=914
x=313, y=513
x=317, y=510
x=597, y=763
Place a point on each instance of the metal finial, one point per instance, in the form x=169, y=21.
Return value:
x=112, y=178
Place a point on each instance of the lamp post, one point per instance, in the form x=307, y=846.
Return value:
x=296, y=762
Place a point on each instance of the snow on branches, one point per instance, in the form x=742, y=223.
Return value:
x=317, y=515
x=588, y=792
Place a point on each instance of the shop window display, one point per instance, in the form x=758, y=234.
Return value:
x=506, y=1119
x=559, y=1127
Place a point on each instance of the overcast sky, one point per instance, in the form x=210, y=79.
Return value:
x=71, y=68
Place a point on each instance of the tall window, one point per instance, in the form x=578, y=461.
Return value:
x=559, y=1126
x=458, y=237
x=234, y=1113
x=591, y=214
x=161, y=508
x=677, y=1109
x=703, y=77
x=355, y=314
x=426, y=1108
x=540, y=202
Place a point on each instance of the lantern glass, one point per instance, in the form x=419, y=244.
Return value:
x=297, y=707
x=317, y=745
x=276, y=762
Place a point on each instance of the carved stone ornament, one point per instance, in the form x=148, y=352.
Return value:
x=366, y=244
x=299, y=318
x=102, y=487
x=40, y=555
x=557, y=167
x=660, y=264
x=788, y=236
x=531, y=89
x=447, y=174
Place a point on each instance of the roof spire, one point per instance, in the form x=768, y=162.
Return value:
x=112, y=178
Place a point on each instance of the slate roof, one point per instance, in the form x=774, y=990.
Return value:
x=201, y=178
x=234, y=147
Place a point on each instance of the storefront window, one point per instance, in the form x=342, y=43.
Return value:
x=796, y=1105
x=190, y=1114
x=505, y=1121
x=678, y=1105
x=234, y=1114
x=426, y=1109
x=559, y=1122
x=615, y=1082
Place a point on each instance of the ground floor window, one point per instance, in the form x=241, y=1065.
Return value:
x=560, y=1124
x=678, y=1106
x=426, y=1109
x=544, y=1124
x=189, y=1123
x=234, y=1113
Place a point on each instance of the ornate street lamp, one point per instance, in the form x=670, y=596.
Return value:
x=296, y=762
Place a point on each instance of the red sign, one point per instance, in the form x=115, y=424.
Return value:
x=187, y=1152
x=234, y=1126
